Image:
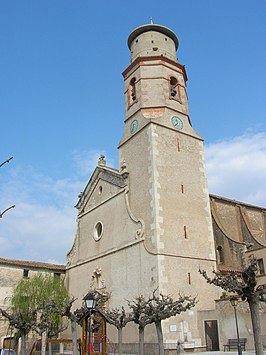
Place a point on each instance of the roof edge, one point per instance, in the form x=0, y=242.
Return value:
x=151, y=27
x=32, y=264
x=236, y=202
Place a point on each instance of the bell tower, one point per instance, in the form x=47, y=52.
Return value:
x=164, y=157
x=155, y=83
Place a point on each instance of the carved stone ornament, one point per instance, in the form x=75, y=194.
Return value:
x=97, y=281
x=98, y=288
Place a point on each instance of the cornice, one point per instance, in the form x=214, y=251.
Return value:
x=139, y=61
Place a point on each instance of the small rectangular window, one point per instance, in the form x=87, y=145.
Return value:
x=57, y=275
x=178, y=144
x=185, y=232
x=25, y=273
x=261, y=269
x=189, y=278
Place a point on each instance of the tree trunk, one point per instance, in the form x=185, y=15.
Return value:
x=119, y=341
x=74, y=336
x=44, y=335
x=23, y=342
x=255, y=318
x=141, y=340
x=160, y=337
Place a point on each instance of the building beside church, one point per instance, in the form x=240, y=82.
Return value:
x=151, y=223
x=11, y=272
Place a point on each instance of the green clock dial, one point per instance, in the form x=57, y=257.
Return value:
x=134, y=126
x=177, y=122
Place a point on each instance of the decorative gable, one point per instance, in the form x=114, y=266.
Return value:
x=104, y=183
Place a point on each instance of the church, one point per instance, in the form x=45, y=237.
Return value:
x=151, y=224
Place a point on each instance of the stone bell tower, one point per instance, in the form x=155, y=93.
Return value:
x=147, y=225
x=167, y=182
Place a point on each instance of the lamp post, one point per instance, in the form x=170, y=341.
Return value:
x=90, y=304
x=234, y=301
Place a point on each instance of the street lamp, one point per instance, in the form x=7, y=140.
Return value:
x=90, y=304
x=234, y=301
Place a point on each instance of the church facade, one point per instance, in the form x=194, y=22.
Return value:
x=151, y=224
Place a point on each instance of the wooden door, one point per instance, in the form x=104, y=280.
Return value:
x=211, y=335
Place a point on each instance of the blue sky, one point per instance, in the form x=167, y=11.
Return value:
x=62, y=104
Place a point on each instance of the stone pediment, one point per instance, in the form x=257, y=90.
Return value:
x=103, y=184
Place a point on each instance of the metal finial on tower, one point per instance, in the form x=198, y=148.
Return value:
x=151, y=21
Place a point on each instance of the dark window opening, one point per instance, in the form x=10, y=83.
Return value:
x=98, y=231
x=185, y=232
x=220, y=255
x=133, y=89
x=57, y=275
x=189, y=278
x=25, y=273
x=173, y=86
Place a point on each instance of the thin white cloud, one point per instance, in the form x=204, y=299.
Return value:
x=37, y=232
x=42, y=225
x=236, y=168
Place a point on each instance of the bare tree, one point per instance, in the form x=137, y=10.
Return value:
x=73, y=317
x=23, y=323
x=245, y=285
x=155, y=309
x=6, y=161
x=7, y=209
x=138, y=307
x=119, y=319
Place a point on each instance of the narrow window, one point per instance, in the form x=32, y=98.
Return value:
x=220, y=255
x=178, y=145
x=98, y=231
x=25, y=273
x=189, y=278
x=182, y=188
x=173, y=86
x=185, y=232
x=132, y=90
x=261, y=269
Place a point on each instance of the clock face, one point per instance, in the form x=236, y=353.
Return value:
x=177, y=122
x=134, y=126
